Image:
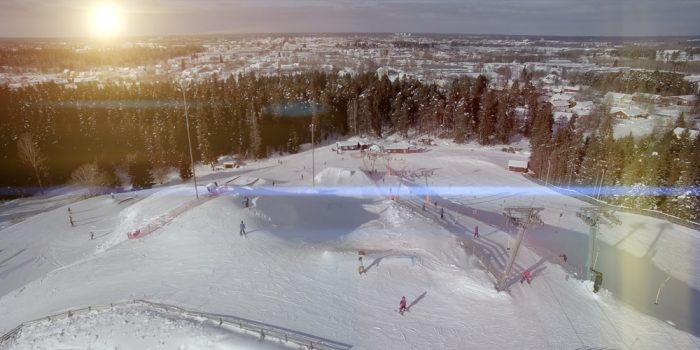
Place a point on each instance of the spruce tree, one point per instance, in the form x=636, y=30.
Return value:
x=140, y=172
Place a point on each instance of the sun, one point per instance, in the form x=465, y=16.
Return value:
x=106, y=20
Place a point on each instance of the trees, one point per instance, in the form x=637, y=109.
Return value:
x=185, y=168
x=487, y=122
x=140, y=172
x=30, y=154
x=90, y=175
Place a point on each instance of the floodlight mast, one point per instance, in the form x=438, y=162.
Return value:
x=185, y=87
x=313, y=158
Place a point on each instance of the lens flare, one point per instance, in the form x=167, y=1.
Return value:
x=106, y=20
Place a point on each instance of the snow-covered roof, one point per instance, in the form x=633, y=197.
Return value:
x=692, y=133
x=561, y=97
x=517, y=163
x=583, y=108
x=617, y=96
x=563, y=115
x=630, y=111
x=559, y=103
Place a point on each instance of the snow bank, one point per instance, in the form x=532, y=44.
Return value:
x=130, y=327
x=147, y=211
x=332, y=176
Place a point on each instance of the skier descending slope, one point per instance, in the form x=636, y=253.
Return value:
x=242, y=232
x=526, y=277
x=402, y=305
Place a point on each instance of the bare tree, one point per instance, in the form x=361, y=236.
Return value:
x=30, y=154
x=92, y=177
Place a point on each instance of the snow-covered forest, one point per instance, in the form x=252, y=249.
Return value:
x=142, y=128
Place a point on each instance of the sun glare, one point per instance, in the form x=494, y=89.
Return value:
x=106, y=20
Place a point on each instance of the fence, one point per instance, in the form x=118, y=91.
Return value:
x=263, y=330
x=593, y=201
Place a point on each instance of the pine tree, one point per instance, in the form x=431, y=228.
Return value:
x=487, y=123
x=140, y=172
x=293, y=142
x=505, y=119
x=185, y=168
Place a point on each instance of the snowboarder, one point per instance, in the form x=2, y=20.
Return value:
x=526, y=277
x=442, y=213
x=476, y=231
x=92, y=236
x=564, y=257
x=242, y=232
x=361, y=269
x=402, y=305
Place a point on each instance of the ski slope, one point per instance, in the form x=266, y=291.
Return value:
x=298, y=266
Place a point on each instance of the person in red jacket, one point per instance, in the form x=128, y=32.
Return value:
x=402, y=305
x=526, y=277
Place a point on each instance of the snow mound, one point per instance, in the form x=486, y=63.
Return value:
x=343, y=177
x=125, y=327
x=146, y=211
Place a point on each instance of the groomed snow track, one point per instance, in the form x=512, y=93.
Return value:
x=231, y=323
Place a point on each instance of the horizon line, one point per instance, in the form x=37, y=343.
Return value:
x=307, y=33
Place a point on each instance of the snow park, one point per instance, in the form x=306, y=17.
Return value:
x=315, y=250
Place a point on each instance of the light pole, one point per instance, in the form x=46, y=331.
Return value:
x=313, y=159
x=182, y=88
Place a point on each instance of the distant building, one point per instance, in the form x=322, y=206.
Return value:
x=348, y=146
x=628, y=112
x=401, y=149
x=583, y=108
x=519, y=166
x=693, y=134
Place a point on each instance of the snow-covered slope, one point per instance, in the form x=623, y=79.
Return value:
x=298, y=266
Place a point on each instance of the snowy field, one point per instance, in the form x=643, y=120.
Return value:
x=298, y=265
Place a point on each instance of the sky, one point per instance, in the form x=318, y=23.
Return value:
x=71, y=18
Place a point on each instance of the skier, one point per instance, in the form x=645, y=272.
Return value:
x=246, y=201
x=70, y=218
x=423, y=206
x=476, y=231
x=402, y=305
x=442, y=213
x=361, y=269
x=563, y=256
x=526, y=277
x=92, y=235
x=242, y=232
